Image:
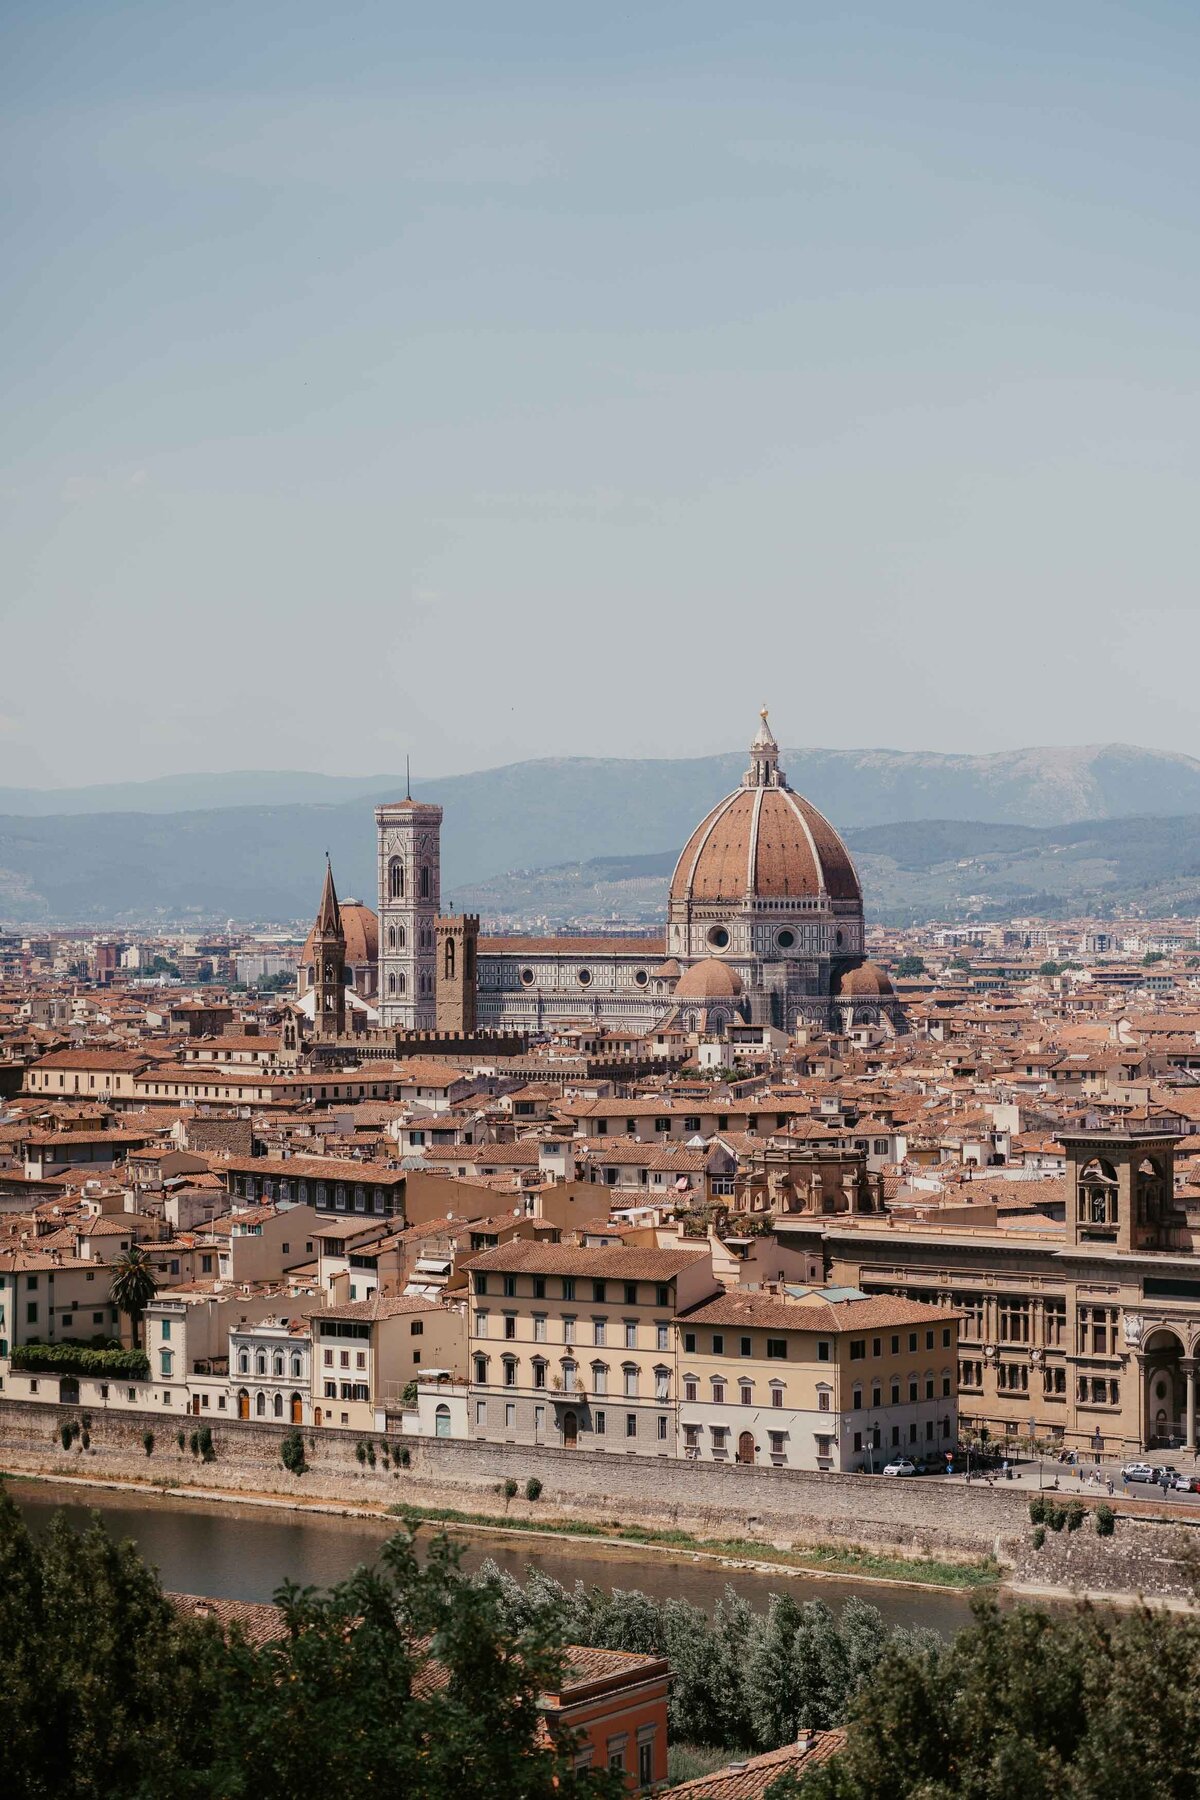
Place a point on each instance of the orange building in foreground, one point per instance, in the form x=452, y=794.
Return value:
x=616, y=1704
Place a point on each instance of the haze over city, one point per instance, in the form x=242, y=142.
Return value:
x=481, y=382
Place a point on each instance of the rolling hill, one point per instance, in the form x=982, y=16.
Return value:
x=260, y=858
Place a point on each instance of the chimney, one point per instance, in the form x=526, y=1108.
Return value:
x=805, y=1738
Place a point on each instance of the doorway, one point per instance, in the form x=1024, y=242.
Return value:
x=745, y=1449
x=570, y=1431
x=297, y=1410
x=243, y=1404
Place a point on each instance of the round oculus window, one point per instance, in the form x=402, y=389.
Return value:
x=527, y=977
x=641, y=978
x=718, y=937
x=584, y=978
x=785, y=939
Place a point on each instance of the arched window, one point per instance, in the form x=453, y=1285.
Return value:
x=243, y=1362
x=403, y=983
x=295, y=1365
x=260, y=1405
x=260, y=1363
x=449, y=959
x=391, y=984
x=278, y=1406
x=396, y=879
x=425, y=882
x=391, y=937
x=441, y=1421
x=401, y=939
x=279, y=1362
x=311, y=973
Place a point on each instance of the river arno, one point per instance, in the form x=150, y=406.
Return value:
x=235, y=1552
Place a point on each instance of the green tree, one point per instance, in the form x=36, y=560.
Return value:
x=1152, y=956
x=910, y=965
x=959, y=962
x=402, y=1680
x=132, y=1287
x=1050, y=1707
x=1050, y=968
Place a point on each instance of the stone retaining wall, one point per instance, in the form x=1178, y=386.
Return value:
x=780, y=1506
x=1159, y=1561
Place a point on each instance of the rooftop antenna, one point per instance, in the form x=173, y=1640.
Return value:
x=407, y=780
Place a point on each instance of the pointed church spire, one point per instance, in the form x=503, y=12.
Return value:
x=329, y=913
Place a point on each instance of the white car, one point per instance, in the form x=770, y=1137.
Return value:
x=901, y=1466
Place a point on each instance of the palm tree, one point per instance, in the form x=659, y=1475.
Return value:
x=133, y=1287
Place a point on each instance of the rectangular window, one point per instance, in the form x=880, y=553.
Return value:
x=718, y=1343
x=480, y=1282
x=876, y=1346
x=662, y=1335
x=599, y=1331
x=510, y=1415
x=823, y=1350
x=539, y=1328
x=776, y=1396
x=539, y=1287
x=912, y=1340
x=568, y=1292
x=631, y=1298
x=823, y=1400
x=568, y=1330
x=858, y=1349
x=601, y=1423
x=510, y=1287
x=539, y=1414
x=631, y=1334
x=777, y=1349
x=662, y=1428
x=690, y=1391
x=598, y=1291
x=510, y=1326
x=689, y=1343
x=662, y=1295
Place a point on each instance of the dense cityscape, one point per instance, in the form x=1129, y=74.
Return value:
x=599, y=902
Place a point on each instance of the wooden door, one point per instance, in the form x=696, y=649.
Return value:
x=297, y=1410
x=570, y=1431
x=243, y=1405
x=745, y=1450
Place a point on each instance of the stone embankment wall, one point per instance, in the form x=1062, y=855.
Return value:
x=1157, y=1561
x=778, y=1506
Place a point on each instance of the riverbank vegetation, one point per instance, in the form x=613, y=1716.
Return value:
x=1057, y=1706
x=740, y=1677
x=403, y=1680
x=830, y=1559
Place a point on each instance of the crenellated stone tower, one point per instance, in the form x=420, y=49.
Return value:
x=457, y=940
x=329, y=964
x=408, y=834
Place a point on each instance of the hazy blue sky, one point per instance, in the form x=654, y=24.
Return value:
x=501, y=379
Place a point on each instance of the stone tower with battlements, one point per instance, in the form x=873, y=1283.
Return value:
x=408, y=836
x=457, y=942
x=329, y=964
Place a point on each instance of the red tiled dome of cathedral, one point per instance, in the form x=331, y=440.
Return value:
x=361, y=927
x=709, y=980
x=866, y=982
x=764, y=840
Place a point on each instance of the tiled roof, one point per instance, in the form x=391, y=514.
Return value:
x=750, y=1780
x=619, y=1263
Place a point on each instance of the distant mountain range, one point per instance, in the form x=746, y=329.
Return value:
x=931, y=868
x=250, y=846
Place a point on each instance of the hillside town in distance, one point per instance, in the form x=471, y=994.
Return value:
x=770, y=1187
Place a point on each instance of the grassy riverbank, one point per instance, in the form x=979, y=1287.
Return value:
x=829, y=1559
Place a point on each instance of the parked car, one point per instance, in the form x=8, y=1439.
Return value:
x=901, y=1466
x=1187, y=1484
x=1140, y=1471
